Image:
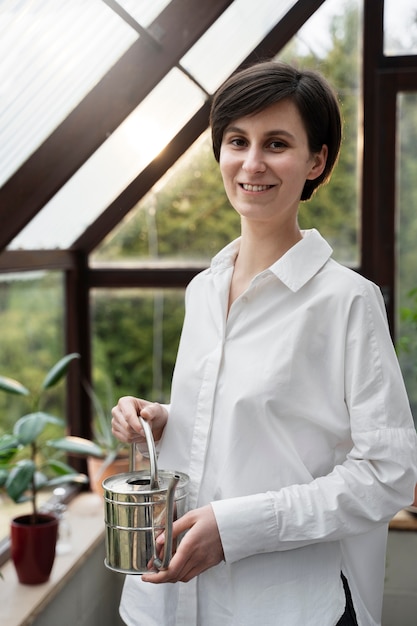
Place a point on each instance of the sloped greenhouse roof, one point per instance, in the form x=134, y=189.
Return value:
x=99, y=98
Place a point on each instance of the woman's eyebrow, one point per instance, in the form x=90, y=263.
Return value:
x=269, y=133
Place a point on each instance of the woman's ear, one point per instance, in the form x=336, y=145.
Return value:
x=318, y=163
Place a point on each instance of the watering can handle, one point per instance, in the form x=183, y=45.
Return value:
x=169, y=519
x=154, y=485
x=153, y=468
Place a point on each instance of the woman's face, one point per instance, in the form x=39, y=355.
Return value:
x=265, y=160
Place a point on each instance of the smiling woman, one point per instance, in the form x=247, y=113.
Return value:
x=285, y=358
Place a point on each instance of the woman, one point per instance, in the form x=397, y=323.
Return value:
x=288, y=409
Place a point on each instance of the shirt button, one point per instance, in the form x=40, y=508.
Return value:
x=245, y=299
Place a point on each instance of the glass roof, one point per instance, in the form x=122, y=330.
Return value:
x=51, y=55
x=144, y=11
x=153, y=124
x=44, y=91
x=226, y=44
x=114, y=165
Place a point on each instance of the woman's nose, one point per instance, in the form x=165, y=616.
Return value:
x=253, y=161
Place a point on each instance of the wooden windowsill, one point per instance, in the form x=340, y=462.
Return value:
x=20, y=604
x=404, y=520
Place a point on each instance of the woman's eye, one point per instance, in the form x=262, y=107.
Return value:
x=238, y=142
x=277, y=145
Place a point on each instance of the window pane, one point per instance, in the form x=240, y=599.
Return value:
x=231, y=38
x=51, y=55
x=135, y=341
x=400, y=27
x=114, y=165
x=330, y=41
x=144, y=11
x=185, y=217
x=406, y=242
x=31, y=319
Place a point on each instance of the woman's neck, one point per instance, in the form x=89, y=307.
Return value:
x=259, y=249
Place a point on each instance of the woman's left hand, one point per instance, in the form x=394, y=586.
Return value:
x=200, y=548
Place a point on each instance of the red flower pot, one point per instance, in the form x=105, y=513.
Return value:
x=33, y=547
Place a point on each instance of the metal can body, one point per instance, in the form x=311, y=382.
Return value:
x=135, y=515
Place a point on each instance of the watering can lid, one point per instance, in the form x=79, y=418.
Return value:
x=140, y=482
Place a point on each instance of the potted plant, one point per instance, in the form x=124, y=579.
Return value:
x=26, y=467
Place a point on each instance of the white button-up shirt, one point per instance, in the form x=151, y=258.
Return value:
x=291, y=417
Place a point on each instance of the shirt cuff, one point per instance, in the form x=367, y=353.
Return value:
x=246, y=517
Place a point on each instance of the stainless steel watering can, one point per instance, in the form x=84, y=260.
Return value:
x=140, y=505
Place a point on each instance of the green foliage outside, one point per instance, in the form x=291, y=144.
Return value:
x=407, y=249
x=31, y=314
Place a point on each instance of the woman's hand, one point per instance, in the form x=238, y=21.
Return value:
x=200, y=548
x=125, y=423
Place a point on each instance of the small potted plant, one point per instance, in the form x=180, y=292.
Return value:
x=26, y=467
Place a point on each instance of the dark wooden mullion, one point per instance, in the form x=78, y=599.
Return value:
x=372, y=59
x=29, y=260
x=78, y=339
x=142, y=277
x=120, y=91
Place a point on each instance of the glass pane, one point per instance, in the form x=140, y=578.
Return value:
x=406, y=242
x=400, y=27
x=231, y=38
x=186, y=215
x=135, y=341
x=144, y=11
x=114, y=165
x=51, y=55
x=330, y=41
x=31, y=317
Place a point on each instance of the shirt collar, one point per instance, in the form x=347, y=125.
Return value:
x=295, y=268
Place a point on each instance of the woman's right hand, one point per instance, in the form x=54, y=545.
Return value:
x=126, y=425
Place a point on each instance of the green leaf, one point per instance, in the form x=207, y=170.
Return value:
x=28, y=428
x=41, y=480
x=58, y=370
x=13, y=386
x=19, y=479
x=3, y=477
x=102, y=424
x=9, y=445
x=77, y=445
x=60, y=468
x=80, y=479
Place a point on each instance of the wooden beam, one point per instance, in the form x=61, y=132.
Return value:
x=30, y=260
x=146, y=277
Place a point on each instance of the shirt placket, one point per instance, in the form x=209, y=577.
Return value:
x=206, y=396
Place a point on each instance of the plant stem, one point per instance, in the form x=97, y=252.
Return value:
x=34, y=509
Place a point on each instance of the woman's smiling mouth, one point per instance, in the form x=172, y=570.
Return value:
x=247, y=187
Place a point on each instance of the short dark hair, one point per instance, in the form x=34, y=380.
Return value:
x=256, y=87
